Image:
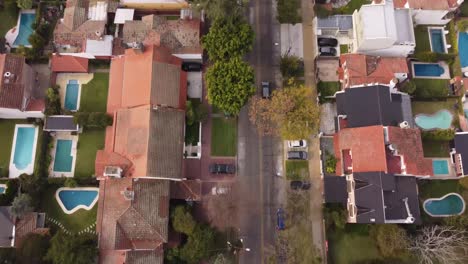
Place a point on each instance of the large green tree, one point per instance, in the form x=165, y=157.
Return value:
x=66, y=249
x=199, y=245
x=230, y=85
x=216, y=9
x=182, y=220
x=21, y=205
x=288, y=11
x=33, y=249
x=228, y=38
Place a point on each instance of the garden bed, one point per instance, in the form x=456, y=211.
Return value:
x=297, y=169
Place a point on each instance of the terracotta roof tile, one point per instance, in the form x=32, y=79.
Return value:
x=12, y=89
x=64, y=63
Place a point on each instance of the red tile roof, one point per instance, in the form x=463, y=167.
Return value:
x=426, y=4
x=362, y=69
x=12, y=88
x=64, y=63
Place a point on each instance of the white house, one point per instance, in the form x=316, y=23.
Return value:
x=430, y=12
x=381, y=30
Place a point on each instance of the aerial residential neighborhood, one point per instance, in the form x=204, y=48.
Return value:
x=233, y=131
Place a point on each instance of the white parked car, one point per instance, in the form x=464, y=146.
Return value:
x=297, y=143
x=218, y=190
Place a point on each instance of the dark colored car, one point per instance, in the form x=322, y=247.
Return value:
x=327, y=42
x=301, y=155
x=192, y=66
x=327, y=51
x=322, y=1
x=217, y=168
x=266, y=89
x=300, y=185
x=280, y=219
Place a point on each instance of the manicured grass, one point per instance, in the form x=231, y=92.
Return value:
x=297, y=169
x=464, y=9
x=327, y=89
x=431, y=88
x=75, y=222
x=437, y=188
x=7, y=130
x=94, y=93
x=351, y=7
x=9, y=17
x=431, y=107
x=343, y=49
x=436, y=148
x=352, y=247
x=223, y=136
x=422, y=39
x=89, y=142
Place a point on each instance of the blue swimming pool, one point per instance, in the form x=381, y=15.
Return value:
x=71, y=95
x=24, y=146
x=437, y=41
x=428, y=70
x=440, y=120
x=2, y=189
x=440, y=167
x=25, y=29
x=463, y=48
x=77, y=198
x=448, y=205
x=63, y=159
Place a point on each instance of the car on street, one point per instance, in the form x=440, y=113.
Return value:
x=302, y=143
x=327, y=42
x=300, y=185
x=297, y=155
x=192, y=66
x=266, y=89
x=218, y=168
x=280, y=225
x=327, y=51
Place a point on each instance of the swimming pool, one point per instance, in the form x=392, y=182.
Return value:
x=3, y=188
x=25, y=29
x=436, y=36
x=428, y=70
x=440, y=120
x=448, y=205
x=463, y=48
x=72, y=95
x=73, y=199
x=63, y=159
x=440, y=167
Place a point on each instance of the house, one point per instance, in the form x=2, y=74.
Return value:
x=7, y=227
x=19, y=95
x=81, y=31
x=337, y=25
x=181, y=36
x=360, y=69
x=67, y=63
x=381, y=30
x=459, y=154
x=375, y=197
x=387, y=149
x=162, y=5
x=33, y=222
x=373, y=105
x=132, y=220
x=147, y=95
x=430, y=12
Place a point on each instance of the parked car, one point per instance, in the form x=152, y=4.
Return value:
x=280, y=219
x=300, y=185
x=294, y=154
x=217, y=168
x=302, y=143
x=192, y=66
x=219, y=190
x=266, y=89
x=327, y=51
x=327, y=42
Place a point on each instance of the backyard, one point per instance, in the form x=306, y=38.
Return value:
x=94, y=93
x=297, y=169
x=223, y=137
x=422, y=39
x=431, y=88
x=327, y=89
x=89, y=142
x=9, y=15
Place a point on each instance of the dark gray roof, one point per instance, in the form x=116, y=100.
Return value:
x=6, y=226
x=461, y=147
x=341, y=22
x=60, y=123
x=374, y=105
x=335, y=189
x=395, y=207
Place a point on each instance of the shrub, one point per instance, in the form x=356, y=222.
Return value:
x=408, y=87
x=321, y=11
x=335, y=216
x=330, y=164
x=439, y=135
x=196, y=112
x=462, y=25
x=24, y=4
x=92, y=119
x=10, y=193
x=464, y=182
x=70, y=183
x=53, y=106
x=291, y=66
x=391, y=240
x=288, y=11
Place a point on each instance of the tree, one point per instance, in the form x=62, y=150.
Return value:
x=33, y=186
x=70, y=183
x=24, y=4
x=199, y=245
x=196, y=112
x=439, y=244
x=36, y=41
x=330, y=163
x=288, y=11
x=33, y=249
x=291, y=66
x=335, y=216
x=230, y=85
x=53, y=106
x=228, y=38
x=391, y=240
x=21, y=205
x=182, y=220
x=221, y=9
x=291, y=113
x=408, y=87
x=66, y=249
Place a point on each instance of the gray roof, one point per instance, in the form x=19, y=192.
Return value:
x=6, y=226
x=335, y=189
x=342, y=22
x=374, y=105
x=461, y=147
x=60, y=123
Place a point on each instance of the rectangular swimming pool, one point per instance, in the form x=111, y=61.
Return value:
x=24, y=147
x=71, y=95
x=63, y=159
x=463, y=48
x=440, y=167
x=437, y=41
x=25, y=29
x=428, y=70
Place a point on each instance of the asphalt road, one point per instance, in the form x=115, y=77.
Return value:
x=260, y=158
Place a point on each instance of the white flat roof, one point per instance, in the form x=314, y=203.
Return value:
x=98, y=11
x=123, y=14
x=100, y=47
x=378, y=21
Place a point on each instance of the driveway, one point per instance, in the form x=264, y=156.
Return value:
x=327, y=118
x=327, y=69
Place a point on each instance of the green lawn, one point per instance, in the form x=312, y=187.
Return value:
x=343, y=49
x=347, y=247
x=351, y=7
x=89, y=142
x=7, y=129
x=464, y=9
x=431, y=88
x=223, y=136
x=327, y=89
x=75, y=222
x=9, y=17
x=422, y=39
x=431, y=107
x=434, y=148
x=437, y=188
x=94, y=93
x=297, y=169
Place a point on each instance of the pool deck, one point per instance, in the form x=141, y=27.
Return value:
x=62, y=81
x=443, y=64
x=63, y=136
x=65, y=210
x=12, y=34
x=13, y=171
x=441, y=198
